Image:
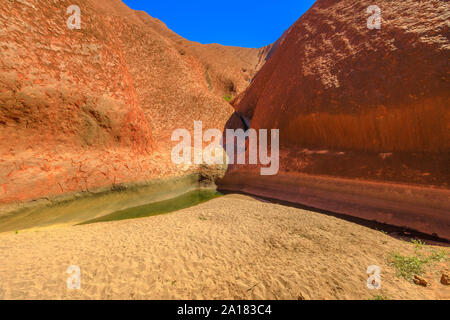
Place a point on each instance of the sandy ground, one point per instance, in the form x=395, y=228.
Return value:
x=233, y=247
x=421, y=208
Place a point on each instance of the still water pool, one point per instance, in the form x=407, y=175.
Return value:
x=186, y=200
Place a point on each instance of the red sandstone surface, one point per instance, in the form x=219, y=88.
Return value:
x=361, y=104
x=95, y=107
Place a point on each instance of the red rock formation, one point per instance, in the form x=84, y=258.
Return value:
x=95, y=107
x=358, y=103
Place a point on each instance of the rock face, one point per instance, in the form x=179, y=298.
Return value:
x=95, y=107
x=335, y=83
x=358, y=103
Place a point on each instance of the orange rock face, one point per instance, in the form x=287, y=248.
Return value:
x=358, y=103
x=95, y=107
x=335, y=83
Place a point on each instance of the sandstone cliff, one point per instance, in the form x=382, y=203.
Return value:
x=95, y=107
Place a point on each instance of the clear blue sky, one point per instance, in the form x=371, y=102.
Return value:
x=246, y=23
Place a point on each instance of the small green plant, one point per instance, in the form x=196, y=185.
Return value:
x=438, y=256
x=17, y=232
x=203, y=218
x=418, y=244
x=228, y=97
x=407, y=267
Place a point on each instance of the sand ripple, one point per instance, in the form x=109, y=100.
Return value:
x=232, y=247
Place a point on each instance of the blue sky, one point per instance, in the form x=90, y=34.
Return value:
x=251, y=23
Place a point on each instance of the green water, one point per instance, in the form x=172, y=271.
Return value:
x=186, y=200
